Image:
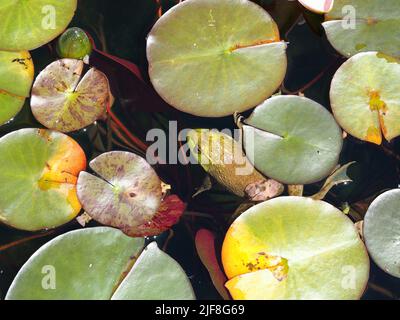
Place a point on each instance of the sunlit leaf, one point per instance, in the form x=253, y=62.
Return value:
x=292, y=140
x=381, y=231
x=38, y=174
x=99, y=264
x=27, y=25
x=364, y=25
x=16, y=76
x=214, y=57
x=64, y=99
x=294, y=248
x=365, y=98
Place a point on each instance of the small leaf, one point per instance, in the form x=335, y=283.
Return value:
x=38, y=174
x=381, y=230
x=205, y=246
x=364, y=97
x=297, y=131
x=63, y=100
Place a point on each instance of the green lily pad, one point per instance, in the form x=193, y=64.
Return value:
x=126, y=193
x=294, y=248
x=365, y=98
x=17, y=66
x=214, y=57
x=38, y=174
x=355, y=26
x=99, y=264
x=63, y=100
x=381, y=230
x=27, y=25
x=292, y=139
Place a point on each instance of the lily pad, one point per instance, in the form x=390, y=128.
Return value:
x=292, y=139
x=355, y=26
x=211, y=58
x=17, y=66
x=38, y=174
x=365, y=98
x=126, y=193
x=294, y=248
x=27, y=25
x=64, y=99
x=318, y=6
x=102, y=263
x=381, y=230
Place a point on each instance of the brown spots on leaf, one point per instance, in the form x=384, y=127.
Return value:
x=372, y=21
x=277, y=265
x=360, y=46
x=375, y=102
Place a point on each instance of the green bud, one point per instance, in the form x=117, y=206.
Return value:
x=74, y=43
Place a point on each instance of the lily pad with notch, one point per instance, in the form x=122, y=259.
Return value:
x=17, y=66
x=354, y=26
x=381, y=230
x=38, y=174
x=294, y=248
x=102, y=264
x=64, y=99
x=292, y=139
x=212, y=58
x=126, y=193
x=27, y=25
x=365, y=98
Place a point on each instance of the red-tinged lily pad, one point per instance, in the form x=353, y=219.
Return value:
x=211, y=58
x=27, y=25
x=294, y=248
x=64, y=99
x=38, y=174
x=365, y=98
x=17, y=66
x=126, y=194
x=100, y=264
x=381, y=231
x=318, y=6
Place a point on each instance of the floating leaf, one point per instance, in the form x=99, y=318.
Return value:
x=38, y=173
x=27, y=25
x=63, y=100
x=214, y=57
x=74, y=43
x=292, y=139
x=17, y=66
x=364, y=25
x=381, y=231
x=222, y=157
x=318, y=6
x=126, y=194
x=365, y=98
x=102, y=263
x=205, y=246
x=155, y=276
x=294, y=248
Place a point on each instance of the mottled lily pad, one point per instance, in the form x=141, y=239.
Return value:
x=64, y=99
x=381, y=230
x=294, y=248
x=99, y=264
x=214, y=57
x=292, y=139
x=27, y=25
x=126, y=193
x=365, y=98
x=355, y=26
x=318, y=6
x=17, y=66
x=38, y=174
